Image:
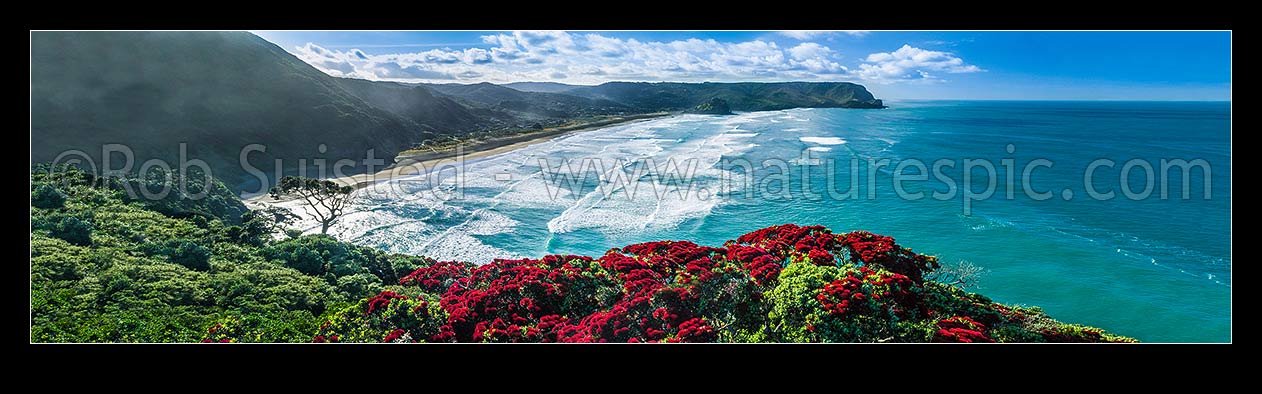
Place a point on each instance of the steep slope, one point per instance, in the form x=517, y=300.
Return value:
x=527, y=106
x=418, y=104
x=745, y=96
x=215, y=91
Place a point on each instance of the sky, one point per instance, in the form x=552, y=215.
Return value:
x=970, y=65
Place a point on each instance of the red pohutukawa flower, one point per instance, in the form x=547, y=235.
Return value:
x=866, y=291
x=880, y=251
x=961, y=329
x=394, y=335
x=436, y=277
x=381, y=301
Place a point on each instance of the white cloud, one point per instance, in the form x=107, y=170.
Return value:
x=815, y=58
x=586, y=58
x=592, y=58
x=810, y=34
x=910, y=63
x=809, y=50
x=805, y=34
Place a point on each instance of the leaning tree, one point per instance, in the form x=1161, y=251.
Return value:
x=327, y=199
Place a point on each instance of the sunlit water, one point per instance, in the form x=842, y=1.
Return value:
x=1158, y=270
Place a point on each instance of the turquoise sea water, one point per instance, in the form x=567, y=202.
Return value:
x=1157, y=270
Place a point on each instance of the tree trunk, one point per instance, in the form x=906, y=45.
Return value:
x=324, y=227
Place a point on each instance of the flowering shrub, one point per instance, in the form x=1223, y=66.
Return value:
x=385, y=317
x=785, y=283
x=880, y=251
x=861, y=292
x=226, y=330
x=960, y=329
x=436, y=277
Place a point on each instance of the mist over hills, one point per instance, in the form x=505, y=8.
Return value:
x=541, y=87
x=510, y=104
x=217, y=92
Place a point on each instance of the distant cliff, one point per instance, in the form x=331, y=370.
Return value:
x=744, y=96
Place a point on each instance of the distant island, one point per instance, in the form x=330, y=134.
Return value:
x=220, y=91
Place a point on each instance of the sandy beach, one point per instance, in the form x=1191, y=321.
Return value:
x=414, y=164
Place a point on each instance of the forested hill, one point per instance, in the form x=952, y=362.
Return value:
x=745, y=96
x=218, y=92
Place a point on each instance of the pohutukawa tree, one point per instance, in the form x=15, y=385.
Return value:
x=327, y=199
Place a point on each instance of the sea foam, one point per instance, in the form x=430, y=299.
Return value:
x=822, y=140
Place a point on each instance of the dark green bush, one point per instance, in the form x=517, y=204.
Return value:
x=47, y=197
x=73, y=230
x=191, y=256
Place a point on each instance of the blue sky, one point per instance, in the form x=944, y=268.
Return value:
x=892, y=64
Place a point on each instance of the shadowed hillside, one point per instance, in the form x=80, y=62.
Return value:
x=215, y=91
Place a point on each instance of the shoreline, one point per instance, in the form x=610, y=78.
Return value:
x=414, y=164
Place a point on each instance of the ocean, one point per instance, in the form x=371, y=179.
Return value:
x=1135, y=264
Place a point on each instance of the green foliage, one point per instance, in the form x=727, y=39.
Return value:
x=320, y=254
x=359, y=284
x=269, y=325
x=191, y=255
x=70, y=228
x=419, y=313
x=258, y=226
x=182, y=195
x=47, y=196
x=794, y=308
x=106, y=268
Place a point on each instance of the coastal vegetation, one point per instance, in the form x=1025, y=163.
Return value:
x=109, y=267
